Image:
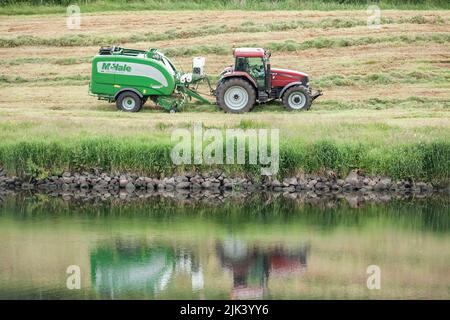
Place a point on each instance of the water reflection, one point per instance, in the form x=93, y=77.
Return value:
x=254, y=249
x=251, y=265
x=128, y=266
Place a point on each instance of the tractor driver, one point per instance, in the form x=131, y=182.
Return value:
x=256, y=70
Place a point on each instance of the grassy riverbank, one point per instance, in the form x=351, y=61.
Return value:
x=417, y=161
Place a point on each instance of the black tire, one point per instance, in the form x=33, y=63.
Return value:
x=129, y=102
x=297, y=98
x=244, y=102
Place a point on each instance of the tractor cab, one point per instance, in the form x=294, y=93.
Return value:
x=256, y=63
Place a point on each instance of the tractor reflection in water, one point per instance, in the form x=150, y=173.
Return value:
x=252, y=265
x=138, y=269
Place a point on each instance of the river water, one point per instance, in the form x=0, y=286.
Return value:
x=259, y=247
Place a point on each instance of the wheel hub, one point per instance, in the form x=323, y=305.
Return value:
x=236, y=98
x=297, y=100
x=128, y=103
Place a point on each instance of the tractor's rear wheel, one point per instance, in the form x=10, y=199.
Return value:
x=129, y=102
x=236, y=96
x=297, y=98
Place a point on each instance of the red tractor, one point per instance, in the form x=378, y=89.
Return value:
x=252, y=80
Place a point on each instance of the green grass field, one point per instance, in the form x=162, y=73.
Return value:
x=385, y=107
x=40, y=149
x=14, y=7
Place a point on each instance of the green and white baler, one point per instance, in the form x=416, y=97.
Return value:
x=129, y=77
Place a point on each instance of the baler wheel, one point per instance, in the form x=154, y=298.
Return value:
x=129, y=102
x=236, y=95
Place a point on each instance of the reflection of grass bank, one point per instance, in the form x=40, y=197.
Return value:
x=249, y=217
x=418, y=161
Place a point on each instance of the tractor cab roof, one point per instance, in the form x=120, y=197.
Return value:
x=250, y=52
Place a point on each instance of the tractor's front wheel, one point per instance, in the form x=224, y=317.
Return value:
x=236, y=96
x=297, y=98
x=129, y=102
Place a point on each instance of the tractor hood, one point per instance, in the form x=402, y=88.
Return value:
x=282, y=77
x=288, y=73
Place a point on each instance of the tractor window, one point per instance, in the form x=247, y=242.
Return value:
x=254, y=66
x=241, y=64
x=255, y=62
